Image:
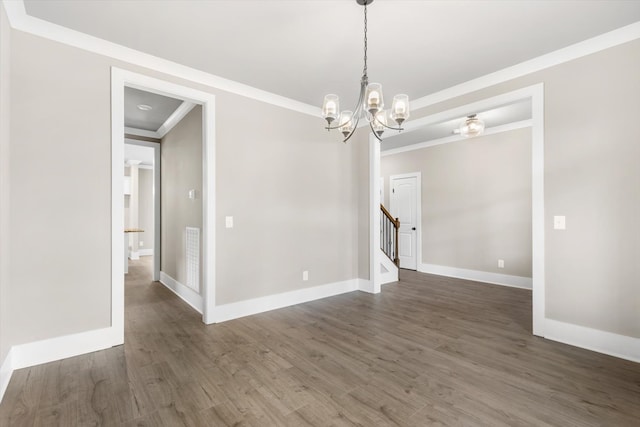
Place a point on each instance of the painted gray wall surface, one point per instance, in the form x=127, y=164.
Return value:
x=291, y=188
x=476, y=201
x=5, y=248
x=145, y=208
x=181, y=166
x=592, y=177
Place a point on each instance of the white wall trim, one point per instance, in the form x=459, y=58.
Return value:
x=569, y=53
x=375, y=277
x=453, y=138
x=272, y=302
x=477, y=275
x=391, y=270
x=146, y=252
x=616, y=345
x=142, y=132
x=185, y=293
x=20, y=20
x=365, y=285
x=175, y=118
x=44, y=351
x=6, y=370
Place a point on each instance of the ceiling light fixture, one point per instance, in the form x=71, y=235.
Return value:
x=471, y=126
x=370, y=103
x=144, y=107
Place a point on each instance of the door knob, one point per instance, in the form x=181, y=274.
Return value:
x=413, y=228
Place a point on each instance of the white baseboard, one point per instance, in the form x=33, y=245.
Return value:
x=272, y=302
x=477, y=276
x=134, y=255
x=365, y=285
x=6, y=370
x=616, y=345
x=44, y=351
x=185, y=293
x=146, y=252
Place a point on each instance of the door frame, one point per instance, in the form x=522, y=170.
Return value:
x=119, y=80
x=155, y=146
x=533, y=93
x=418, y=177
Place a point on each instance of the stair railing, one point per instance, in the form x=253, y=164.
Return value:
x=389, y=235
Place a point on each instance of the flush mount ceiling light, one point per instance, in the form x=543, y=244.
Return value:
x=370, y=103
x=144, y=107
x=471, y=126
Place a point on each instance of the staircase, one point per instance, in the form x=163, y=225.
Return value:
x=389, y=262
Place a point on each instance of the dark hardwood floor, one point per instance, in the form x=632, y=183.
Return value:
x=426, y=351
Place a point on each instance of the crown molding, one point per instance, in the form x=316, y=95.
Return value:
x=20, y=20
x=457, y=137
x=587, y=47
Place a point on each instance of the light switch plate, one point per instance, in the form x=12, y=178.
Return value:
x=228, y=221
x=500, y=263
x=305, y=275
x=559, y=222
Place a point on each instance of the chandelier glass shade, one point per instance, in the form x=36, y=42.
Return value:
x=370, y=105
x=471, y=126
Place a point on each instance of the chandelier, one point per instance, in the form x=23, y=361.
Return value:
x=370, y=104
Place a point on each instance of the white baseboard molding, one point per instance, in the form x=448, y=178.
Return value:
x=616, y=345
x=134, y=255
x=273, y=302
x=477, y=276
x=49, y=350
x=185, y=293
x=366, y=285
x=146, y=252
x=6, y=370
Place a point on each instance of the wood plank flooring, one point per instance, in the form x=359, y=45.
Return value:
x=428, y=351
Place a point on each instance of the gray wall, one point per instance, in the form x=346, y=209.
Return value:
x=5, y=248
x=290, y=186
x=181, y=171
x=592, y=177
x=145, y=209
x=476, y=201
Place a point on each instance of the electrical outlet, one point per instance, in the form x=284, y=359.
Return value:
x=305, y=275
x=500, y=263
x=559, y=222
x=228, y=221
x=141, y=243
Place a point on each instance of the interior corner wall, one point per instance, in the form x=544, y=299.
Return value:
x=5, y=73
x=289, y=185
x=181, y=166
x=591, y=176
x=476, y=201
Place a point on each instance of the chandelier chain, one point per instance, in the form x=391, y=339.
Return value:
x=364, y=71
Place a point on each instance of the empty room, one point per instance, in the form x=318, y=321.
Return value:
x=319, y=213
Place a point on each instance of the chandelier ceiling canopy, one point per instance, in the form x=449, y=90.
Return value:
x=370, y=104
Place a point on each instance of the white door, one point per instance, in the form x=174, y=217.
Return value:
x=404, y=205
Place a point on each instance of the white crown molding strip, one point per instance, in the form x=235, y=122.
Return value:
x=6, y=370
x=477, y=276
x=569, y=53
x=616, y=345
x=273, y=302
x=185, y=293
x=175, y=118
x=142, y=132
x=20, y=20
x=453, y=138
x=38, y=352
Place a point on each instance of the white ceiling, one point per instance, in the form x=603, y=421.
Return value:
x=495, y=117
x=305, y=49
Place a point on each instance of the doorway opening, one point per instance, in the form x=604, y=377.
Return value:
x=533, y=96
x=195, y=242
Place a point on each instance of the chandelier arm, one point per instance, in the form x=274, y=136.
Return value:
x=373, y=131
x=355, y=126
x=388, y=127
